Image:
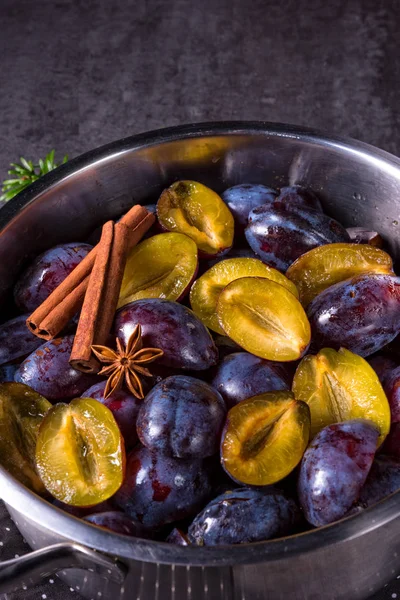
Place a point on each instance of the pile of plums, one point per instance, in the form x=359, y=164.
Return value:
x=276, y=404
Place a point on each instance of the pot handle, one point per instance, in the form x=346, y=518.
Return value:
x=29, y=569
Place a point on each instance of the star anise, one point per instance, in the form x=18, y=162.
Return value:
x=126, y=363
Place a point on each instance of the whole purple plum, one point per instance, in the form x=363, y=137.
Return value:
x=334, y=469
x=361, y=314
x=46, y=273
x=182, y=417
x=49, y=373
x=243, y=516
x=123, y=405
x=242, y=375
x=117, y=522
x=186, y=342
x=16, y=340
x=242, y=198
x=159, y=489
x=280, y=233
x=302, y=196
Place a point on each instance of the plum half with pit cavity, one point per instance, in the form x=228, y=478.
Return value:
x=264, y=438
x=264, y=318
x=206, y=290
x=80, y=452
x=340, y=386
x=191, y=208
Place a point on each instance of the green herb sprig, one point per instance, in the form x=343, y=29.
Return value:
x=25, y=173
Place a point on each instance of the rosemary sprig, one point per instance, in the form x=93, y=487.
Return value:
x=25, y=173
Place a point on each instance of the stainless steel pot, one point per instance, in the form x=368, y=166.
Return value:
x=358, y=184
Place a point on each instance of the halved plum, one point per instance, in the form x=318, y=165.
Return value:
x=265, y=438
x=326, y=265
x=340, y=386
x=21, y=413
x=80, y=452
x=264, y=318
x=206, y=290
x=192, y=208
x=162, y=266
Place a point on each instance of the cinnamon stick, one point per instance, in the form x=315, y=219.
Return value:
x=101, y=297
x=121, y=245
x=55, y=312
x=81, y=355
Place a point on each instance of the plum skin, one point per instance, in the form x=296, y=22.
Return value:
x=172, y=327
x=241, y=375
x=183, y=417
x=159, y=489
x=48, y=372
x=244, y=515
x=46, y=272
x=334, y=469
x=360, y=314
x=280, y=233
x=16, y=340
x=123, y=405
x=297, y=194
x=242, y=198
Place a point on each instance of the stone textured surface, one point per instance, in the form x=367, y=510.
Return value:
x=79, y=73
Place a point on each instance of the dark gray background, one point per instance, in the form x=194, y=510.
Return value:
x=78, y=74
x=75, y=75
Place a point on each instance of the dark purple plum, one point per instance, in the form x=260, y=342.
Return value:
x=182, y=417
x=123, y=405
x=301, y=196
x=117, y=522
x=244, y=515
x=383, y=366
x=159, y=489
x=49, y=373
x=46, y=272
x=391, y=444
x=383, y=480
x=360, y=235
x=178, y=537
x=7, y=373
x=360, y=314
x=391, y=387
x=242, y=198
x=334, y=469
x=84, y=511
x=186, y=342
x=16, y=340
x=242, y=375
x=280, y=233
